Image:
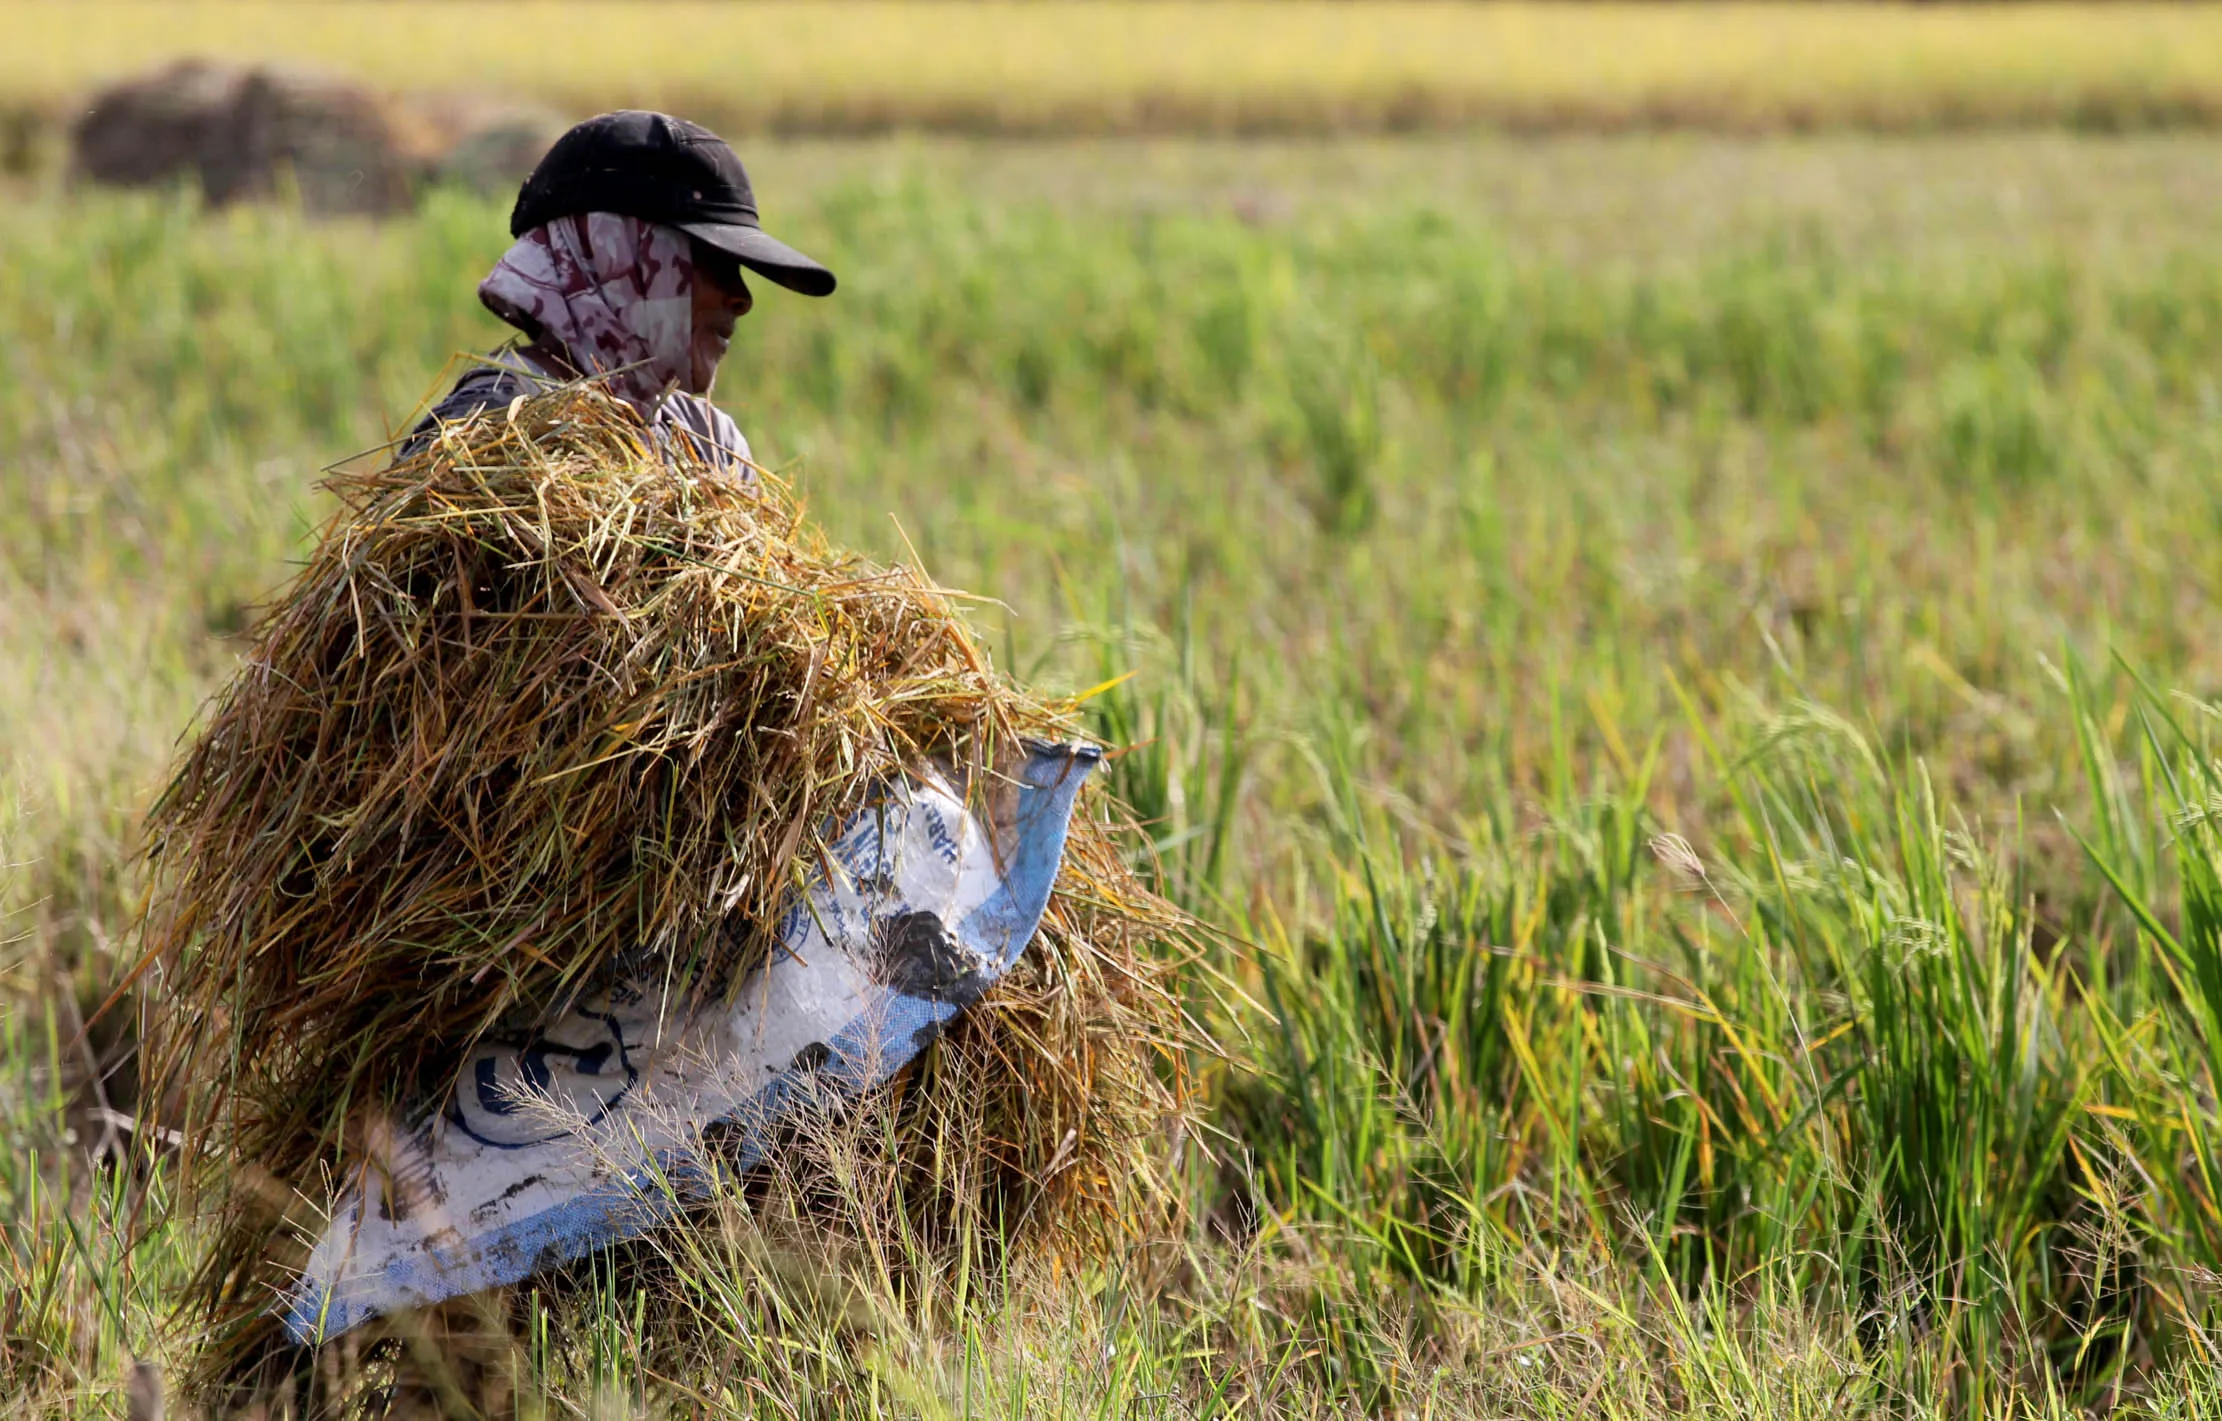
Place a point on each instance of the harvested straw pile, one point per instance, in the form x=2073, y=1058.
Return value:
x=549, y=703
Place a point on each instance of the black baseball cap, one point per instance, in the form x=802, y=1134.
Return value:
x=662, y=169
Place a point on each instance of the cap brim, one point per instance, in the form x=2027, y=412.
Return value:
x=765, y=255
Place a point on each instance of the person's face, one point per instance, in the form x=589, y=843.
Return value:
x=721, y=298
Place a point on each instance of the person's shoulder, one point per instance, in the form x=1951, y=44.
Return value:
x=501, y=376
x=718, y=438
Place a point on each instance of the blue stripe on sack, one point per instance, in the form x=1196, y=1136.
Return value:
x=874, y=1044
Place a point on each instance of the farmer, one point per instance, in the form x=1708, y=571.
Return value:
x=632, y=235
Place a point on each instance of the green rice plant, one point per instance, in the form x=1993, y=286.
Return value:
x=1654, y=937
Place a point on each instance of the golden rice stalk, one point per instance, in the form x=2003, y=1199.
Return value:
x=547, y=703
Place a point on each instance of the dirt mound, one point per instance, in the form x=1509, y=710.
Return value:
x=244, y=132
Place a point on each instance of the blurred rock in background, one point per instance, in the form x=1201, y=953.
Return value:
x=490, y=144
x=245, y=132
x=238, y=129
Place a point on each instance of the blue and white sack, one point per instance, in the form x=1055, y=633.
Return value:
x=590, y=1131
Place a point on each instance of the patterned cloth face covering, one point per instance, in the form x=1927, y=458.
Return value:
x=616, y=293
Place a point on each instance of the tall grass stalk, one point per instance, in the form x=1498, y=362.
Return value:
x=1705, y=772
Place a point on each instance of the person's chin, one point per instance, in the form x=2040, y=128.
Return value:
x=704, y=371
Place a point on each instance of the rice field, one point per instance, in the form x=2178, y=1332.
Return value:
x=1687, y=668
x=1251, y=66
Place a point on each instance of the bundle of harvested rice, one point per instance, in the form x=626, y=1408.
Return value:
x=553, y=705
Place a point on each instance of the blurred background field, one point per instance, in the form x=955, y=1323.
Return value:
x=1251, y=66
x=1686, y=663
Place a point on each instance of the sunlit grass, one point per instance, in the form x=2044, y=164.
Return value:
x=1287, y=65
x=1729, y=933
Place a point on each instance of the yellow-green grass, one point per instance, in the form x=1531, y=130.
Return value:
x=1637, y=703
x=1289, y=65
